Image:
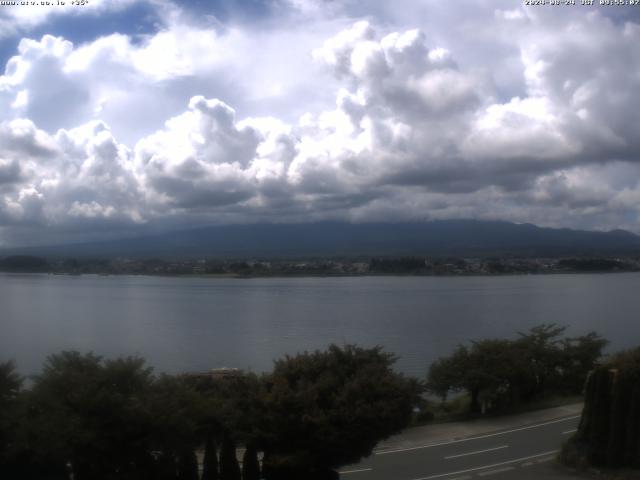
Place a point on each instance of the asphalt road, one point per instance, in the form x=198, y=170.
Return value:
x=525, y=452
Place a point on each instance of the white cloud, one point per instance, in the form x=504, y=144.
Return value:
x=119, y=80
x=25, y=15
x=117, y=134
x=63, y=180
x=200, y=159
x=527, y=128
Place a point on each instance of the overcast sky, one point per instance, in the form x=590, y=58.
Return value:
x=128, y=116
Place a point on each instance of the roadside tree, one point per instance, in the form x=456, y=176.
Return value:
x=330, y=408
x=500, y=373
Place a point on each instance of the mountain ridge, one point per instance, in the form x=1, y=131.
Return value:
x=335, y=239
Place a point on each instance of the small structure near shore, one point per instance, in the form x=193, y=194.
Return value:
x=223, y=373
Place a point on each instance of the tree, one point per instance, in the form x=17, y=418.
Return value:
x=10, y=389
x=495, y=374
x=187, y=465
x=165, y=466
x=178, y=413
x=210, y=461
x=23, y=263
x=234, y=406
x=10, y=384
x=499, y=373
x=250, y=464
x=541, y=346
x=229, y=468
x=445, y=374
x=490, y=371
x=92, y=413
x=328, y=409
x=579, y=356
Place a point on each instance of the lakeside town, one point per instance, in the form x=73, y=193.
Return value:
x=427, y=266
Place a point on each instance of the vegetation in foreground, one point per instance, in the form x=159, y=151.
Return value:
x=608, y=436
x=499, y=375
x=315, y=412
x=113, y=419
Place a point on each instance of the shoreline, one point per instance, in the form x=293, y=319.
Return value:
x=214, y=276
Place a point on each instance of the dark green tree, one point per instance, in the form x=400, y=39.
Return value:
x=250, y=464
x=229, y=467
x=492, y=372
x=495, y=375
x=579, y=356
x=178, y=412
x=541, y=346
x=210, y=461
x=234, y=404
x=330, y=408
x=10, y=389
x=10, y=384
x=165, y=466
x=499, y=373
x=187, y=465
x=92, y=414
x=445, y=374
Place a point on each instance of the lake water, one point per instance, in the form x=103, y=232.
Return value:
x=190, y=324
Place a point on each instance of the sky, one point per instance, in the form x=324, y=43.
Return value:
x=123, y=117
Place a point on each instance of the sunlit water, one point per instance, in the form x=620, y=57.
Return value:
x=190, y=324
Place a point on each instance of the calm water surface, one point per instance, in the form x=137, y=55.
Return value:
x=185, y=324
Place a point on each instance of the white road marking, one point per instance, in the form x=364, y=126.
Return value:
x=408, y=449
x=570, y=431
x=515, y=460
x=476, y=452
x=346, y=472
x=493, y=472
x=543, y=460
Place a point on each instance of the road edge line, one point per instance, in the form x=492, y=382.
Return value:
x=480, y=437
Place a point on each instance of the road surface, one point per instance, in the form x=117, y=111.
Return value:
x=522, y=452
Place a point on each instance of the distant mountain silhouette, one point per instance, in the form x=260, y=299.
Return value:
x=444, y=237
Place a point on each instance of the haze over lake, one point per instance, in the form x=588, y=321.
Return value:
x=190, y=324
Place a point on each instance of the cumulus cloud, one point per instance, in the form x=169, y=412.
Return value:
x=19, y=16
x=78, y=180
x=116, y=134
x=118, y=78
x=201, y=158
x=58, y=85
